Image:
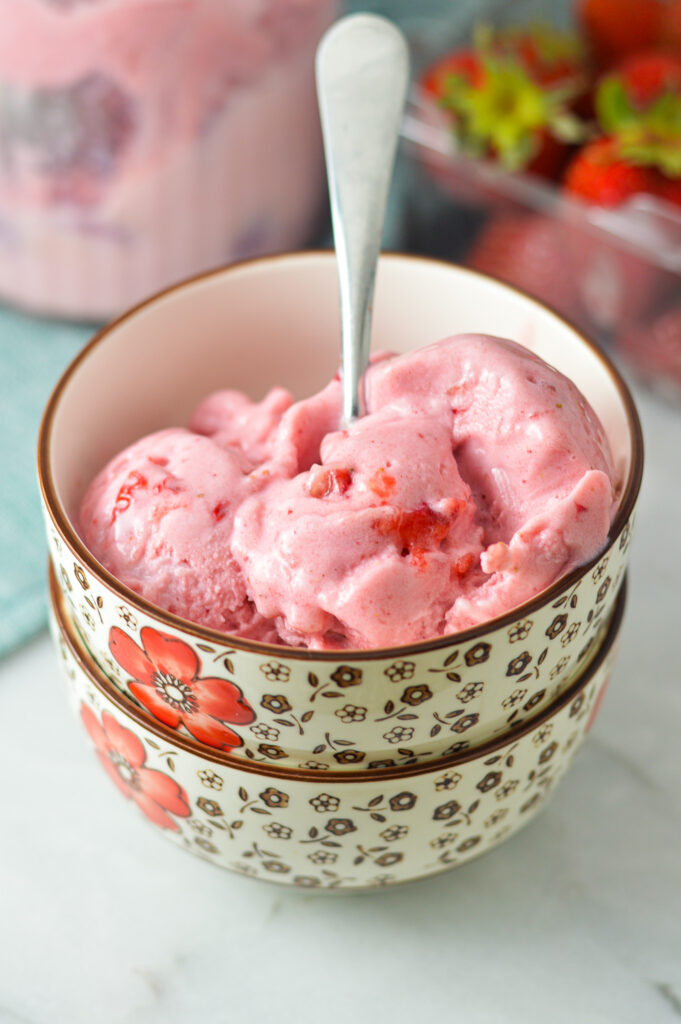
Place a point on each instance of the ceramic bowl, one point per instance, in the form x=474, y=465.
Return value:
x=276, y=321
x=334, y=830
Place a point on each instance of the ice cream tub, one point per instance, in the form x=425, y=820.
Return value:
x=142, y=142
x=276, y=321
x=332, y=832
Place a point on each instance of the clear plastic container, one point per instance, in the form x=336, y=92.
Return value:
x=145, y=140
x=616, y=273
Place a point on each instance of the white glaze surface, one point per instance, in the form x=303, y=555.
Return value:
x=577, y=918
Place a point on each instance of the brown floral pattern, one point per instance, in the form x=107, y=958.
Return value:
x=361, y=833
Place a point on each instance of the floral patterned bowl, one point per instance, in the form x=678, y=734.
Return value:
x=270, y=703
x=336, y=830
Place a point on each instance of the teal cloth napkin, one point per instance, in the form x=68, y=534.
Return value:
x=33, y=354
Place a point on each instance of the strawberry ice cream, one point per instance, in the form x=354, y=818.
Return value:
x=144, y=140
x=478, y=477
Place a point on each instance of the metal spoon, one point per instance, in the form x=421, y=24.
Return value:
x=362, y=78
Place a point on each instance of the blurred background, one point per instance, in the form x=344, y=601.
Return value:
x=138, y=146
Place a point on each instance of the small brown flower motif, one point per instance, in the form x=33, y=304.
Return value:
x=66, y=582
x=559, y=667
x=513, y=698
x=548, y=752
x=345, y=675
x=351, y=713
x=386, y=860
x=349, y=756
x=465, y=722
x=532, y=802
x=399, y=734
x=340, y=826
x=265, y=732
x=275, y=672
x=571, y=633
x=577, y=705
x=603, y=589
x=468, y=844
x=394, y=832
x=470, y=691
x=557, y=626
x=79, y=573
x=444, y=840
x=520, y=631
x=275, y=830
x=127, y=617
x=448, y=781
x=624, y=536
x=495, y=817
x=87, y=618
x=456, y=748
x=198, y=826
x=400, y=671
x=210, y=778
x=272, y=751
x=599, y=571
x=274, y=797
x=206, y=845
x=314, y=766
x=447, y=810
x=324, y=802
x=402, y=801
x=210, y=807
x=306, y=881
x=477, y=654
x=414, y=695
x=490, y=780
x=275, y=702
x=276, y=867
x=507, y=789
x=519, y=664
x=542, y=734
x=323, y=857
x=535, y=699
x=387, y=762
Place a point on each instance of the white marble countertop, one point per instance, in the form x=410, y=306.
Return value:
x=577, y=919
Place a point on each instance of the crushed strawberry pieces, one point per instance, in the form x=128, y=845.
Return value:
x=133, y=482
x=324, y=481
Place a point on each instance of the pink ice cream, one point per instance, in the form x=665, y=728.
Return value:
x=478, y=477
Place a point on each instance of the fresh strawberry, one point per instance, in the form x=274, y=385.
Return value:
x=508, y=98
x=647, y=77
x=599, y=175
x=528, y=252
x=670, y=28
x=614, y=282
x=655, y=349
x=616, y=28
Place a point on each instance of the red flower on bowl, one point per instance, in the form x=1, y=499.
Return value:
x=124, y=759
x=167, y=683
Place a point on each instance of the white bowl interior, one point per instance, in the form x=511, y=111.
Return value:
x=277, y=322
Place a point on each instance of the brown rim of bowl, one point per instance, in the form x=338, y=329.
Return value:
x=82, y=553
x=131, y=710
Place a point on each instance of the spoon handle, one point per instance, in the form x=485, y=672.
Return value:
x=362, y=78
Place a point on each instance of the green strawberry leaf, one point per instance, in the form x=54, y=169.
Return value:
x=613, y=107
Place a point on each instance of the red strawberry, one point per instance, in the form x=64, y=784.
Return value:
x=616, y=28
x=508, y=97
x=599, y=175
x=670, y=28
x=648, y=75
x=615, y=284
x=655, y=349
x=528, y=252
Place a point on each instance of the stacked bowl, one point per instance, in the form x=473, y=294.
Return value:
x=334, y=769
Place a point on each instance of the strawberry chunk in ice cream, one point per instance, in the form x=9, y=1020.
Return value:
x=478, y=477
